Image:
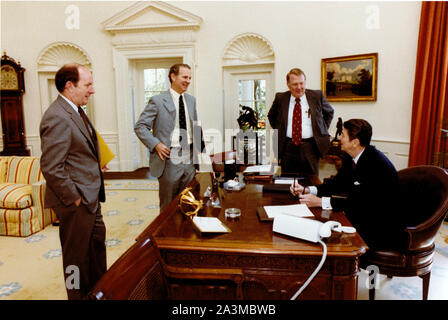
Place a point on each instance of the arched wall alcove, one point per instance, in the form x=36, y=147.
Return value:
x=50, y=60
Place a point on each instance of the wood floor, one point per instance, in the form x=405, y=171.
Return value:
x=141, y=173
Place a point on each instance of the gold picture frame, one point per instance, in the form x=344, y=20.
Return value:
x=350, y=78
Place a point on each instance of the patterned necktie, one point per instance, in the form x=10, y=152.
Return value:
x=297, y=123
x=182, y=123
x=102, y=194
x=86, y=123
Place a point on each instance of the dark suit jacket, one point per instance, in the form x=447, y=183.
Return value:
x=369, y=192
x=321, y=116
x=69, y=160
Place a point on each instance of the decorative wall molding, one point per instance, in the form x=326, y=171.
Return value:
x=145, y=30
x=154, y=38
x=396, y=150
x=151, y=16
x=50, y=60
x=57, y=54
x=248, y=48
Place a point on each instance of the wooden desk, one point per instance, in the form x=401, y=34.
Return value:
x=251, y=262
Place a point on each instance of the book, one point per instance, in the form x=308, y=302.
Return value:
x=106, y=154
x=273, y=187
x=258, y=178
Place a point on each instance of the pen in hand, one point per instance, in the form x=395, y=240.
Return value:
x=295, y=183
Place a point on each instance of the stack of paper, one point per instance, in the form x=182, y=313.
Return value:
x=296, y=210
x=265, y=169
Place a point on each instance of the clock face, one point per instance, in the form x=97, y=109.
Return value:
x=9, y=79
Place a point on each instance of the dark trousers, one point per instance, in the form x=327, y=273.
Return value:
x=301, y=159
x=82, y=235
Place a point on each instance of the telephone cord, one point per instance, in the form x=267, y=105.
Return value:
x=324, y=256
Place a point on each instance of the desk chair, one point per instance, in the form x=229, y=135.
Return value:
x=136, y=275
x=424, y=194
x=218, y=159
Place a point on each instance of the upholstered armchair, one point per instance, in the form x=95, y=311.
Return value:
x=22, y=191
x=424, y=199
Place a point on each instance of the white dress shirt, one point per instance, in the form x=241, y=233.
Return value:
x=175, y=136
x=76, y=109
x=71, y=104
x=307, y=129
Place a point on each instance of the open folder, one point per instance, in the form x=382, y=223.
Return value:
x=106, y=155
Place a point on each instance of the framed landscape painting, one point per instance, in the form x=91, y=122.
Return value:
x=350, y=78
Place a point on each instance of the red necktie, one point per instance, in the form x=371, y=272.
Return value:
x=297, y=123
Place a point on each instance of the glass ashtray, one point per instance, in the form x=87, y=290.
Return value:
x=232, y=212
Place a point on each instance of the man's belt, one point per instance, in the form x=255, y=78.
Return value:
x=303, y=140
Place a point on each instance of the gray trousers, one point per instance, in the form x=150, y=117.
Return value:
x=174, y=179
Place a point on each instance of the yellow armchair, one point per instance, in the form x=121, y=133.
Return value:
x=22, y=194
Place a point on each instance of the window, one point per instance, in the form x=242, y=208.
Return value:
x=155, y=82
x=252, y=93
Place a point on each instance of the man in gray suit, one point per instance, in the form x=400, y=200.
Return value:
x=175, y=139
x=75, y=187
x=302, y=117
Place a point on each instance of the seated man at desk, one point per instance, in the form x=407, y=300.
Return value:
x=363, y=188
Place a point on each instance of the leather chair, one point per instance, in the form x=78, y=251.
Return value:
x=424, y=199
x=218, y=159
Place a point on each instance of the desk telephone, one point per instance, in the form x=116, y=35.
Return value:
x=310, y=230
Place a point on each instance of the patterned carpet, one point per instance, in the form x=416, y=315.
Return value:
x=141, y=184
x=31, y=268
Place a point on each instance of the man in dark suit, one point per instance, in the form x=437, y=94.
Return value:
x=75, y=187
x=168, y=128
x=364, y=187
x=302, y=117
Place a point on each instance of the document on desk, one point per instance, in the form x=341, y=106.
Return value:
x=284, y=181
x=210, y=224
x=265, y=169
x=296, y=210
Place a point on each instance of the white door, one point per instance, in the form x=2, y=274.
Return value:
x=249, y=86
x=150, y=78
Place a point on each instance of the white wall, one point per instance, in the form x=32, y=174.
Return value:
x=301, y=34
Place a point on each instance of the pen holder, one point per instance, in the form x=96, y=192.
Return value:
x=229, y=171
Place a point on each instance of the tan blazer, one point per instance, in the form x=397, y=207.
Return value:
x=69, y=160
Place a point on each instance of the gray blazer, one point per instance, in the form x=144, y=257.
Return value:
x=69, y=160
x=321, y=115
x=159, y=116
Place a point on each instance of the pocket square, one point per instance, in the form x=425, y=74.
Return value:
x=356, y=183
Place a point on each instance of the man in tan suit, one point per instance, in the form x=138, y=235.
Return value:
x=75, y=187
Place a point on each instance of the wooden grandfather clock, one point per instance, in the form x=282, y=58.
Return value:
x=12, y=89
